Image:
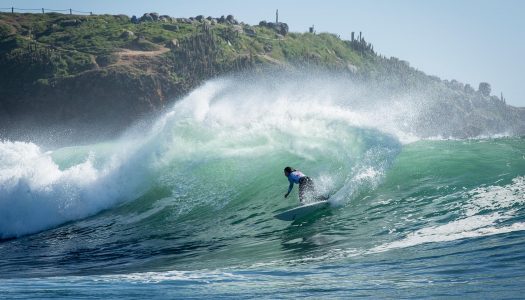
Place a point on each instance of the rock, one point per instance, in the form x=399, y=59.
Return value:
x=134, y=20
x=469, y=89
x=231, y=20
x=249, y=31
x=184, y=20
x=280, y=28
x=456, y=85
x=237, y=29
x=150, y=17
x=126, y=34
x=106, y=60
x=206, y=26
x=166, y=18
x=146, y=18
x=173, y=44
x=484, y=89
x=199, y=18
x=171, y=27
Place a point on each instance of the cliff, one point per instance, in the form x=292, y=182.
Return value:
x=67, y=78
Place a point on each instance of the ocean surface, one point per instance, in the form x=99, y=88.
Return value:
x=183, y=206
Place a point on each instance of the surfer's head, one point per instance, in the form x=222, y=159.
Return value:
x=287, y=171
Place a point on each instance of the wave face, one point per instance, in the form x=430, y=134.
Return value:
x=220, y=138
x=198, y=189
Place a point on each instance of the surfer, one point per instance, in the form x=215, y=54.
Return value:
x=306, y=185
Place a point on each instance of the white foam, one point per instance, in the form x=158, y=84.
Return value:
x=205, y=276
x=223, y=119
x=36, y=194
x=484, y=214
x=496, y=197
x=470, y=227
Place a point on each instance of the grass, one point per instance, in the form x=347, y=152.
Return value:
x=77, y=41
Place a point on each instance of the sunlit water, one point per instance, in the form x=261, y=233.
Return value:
x=185, y=208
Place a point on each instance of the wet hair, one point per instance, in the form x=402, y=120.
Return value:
x=289, y=169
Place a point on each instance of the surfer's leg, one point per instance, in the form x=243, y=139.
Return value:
x=301, y=192
x=313, y=192
x=306, y=189
x=309, y=187
x=302, y=189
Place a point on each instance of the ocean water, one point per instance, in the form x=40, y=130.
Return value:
x=184, y=208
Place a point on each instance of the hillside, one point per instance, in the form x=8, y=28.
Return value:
x=79, y=78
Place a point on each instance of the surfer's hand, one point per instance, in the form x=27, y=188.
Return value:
x=285, y=195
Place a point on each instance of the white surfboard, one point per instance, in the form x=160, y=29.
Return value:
x=301, y=211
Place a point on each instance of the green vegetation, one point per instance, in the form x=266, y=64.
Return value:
x=58, y=68
x=65, y=45
x=47, y=47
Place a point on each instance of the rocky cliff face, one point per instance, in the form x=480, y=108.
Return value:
x=73, y=79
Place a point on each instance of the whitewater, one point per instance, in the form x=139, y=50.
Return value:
x=182, y=205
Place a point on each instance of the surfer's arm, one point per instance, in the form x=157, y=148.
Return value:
x=289, y=189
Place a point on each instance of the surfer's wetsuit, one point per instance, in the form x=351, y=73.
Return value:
x=306, y=185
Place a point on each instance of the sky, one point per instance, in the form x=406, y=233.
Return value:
x=467, y=40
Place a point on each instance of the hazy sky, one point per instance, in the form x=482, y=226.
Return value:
x=467, y=40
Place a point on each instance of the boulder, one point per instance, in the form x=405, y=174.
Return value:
x=173, y=44
x=126, y=34
x=171, y=27
x=184, y=20
x=249, y=31
x=237, y=29
x=469, y=89
x=484, y=89
x=166, y=18
x=280, y=28
x=146, y=18
x=231, y=20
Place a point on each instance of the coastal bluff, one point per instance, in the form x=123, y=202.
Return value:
x=72, y=79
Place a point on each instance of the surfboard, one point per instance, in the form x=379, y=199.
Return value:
x=301, y=211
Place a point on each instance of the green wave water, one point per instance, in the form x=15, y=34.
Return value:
x=187, y=205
